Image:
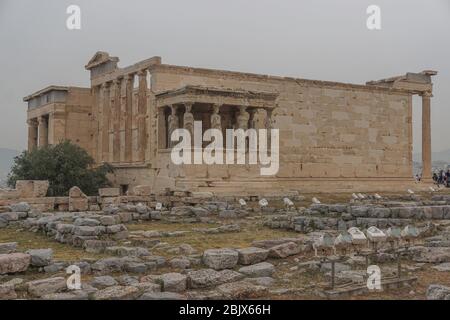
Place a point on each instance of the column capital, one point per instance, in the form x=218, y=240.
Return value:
x=427, y=94
x=142, y=72
x=173, y=108
x=242, y=109
x=129, y=76
x=32, y=122
x=105, y=85
x=188, y=106
x=216, y=107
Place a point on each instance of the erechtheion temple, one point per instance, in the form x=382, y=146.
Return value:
x=333, y=136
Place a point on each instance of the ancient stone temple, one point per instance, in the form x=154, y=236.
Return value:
x=333, y=136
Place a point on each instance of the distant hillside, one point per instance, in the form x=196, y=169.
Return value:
x=6, y=161
x=442, y=156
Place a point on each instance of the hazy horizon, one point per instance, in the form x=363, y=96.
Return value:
x=320, y=39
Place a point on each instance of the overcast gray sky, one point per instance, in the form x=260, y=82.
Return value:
x=312, y=39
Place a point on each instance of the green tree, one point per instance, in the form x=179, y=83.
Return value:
x=64, y=165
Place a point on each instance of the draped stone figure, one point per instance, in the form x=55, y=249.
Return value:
x=173, y=124
x=188, y=119
x=215, y=118
x=252, y=121
x=242, y=118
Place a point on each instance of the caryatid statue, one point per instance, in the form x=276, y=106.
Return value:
x=242, y=118
x=173, y=123
x=215, y=118
x=251, y=120
x=188, y=119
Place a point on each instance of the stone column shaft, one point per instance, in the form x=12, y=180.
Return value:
x=116, y=122
x=129, y=118
x=426, y=136
x=142, y=114
x=105, y=101
x=32, y=134
x=43, y=131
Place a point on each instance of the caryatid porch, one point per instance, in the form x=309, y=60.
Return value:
x=216, y=108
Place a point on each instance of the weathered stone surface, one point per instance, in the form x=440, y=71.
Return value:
x=111, y=209
x=438, y=292
x=162, y=296
x=267, y=244
x=71, y=295
x=20, y=207
x=127, y=280
x=252, y=255
x=205, y=278
x=284, y=250
x=262, y=269
x=41, y=257
x=109, y=192
x=14, y=262
x=200, y=212
x=443, y=267
x=103, y=282
x=8, y=247
x=173, y=282
x=227, y=214
x=241, y=290
x=38, y=288
x=135, y=267
x=181, y=263
x=108, y=220
x=148, y=286
x=117, y=293
x=7, y=292
x=32, y=188
x=128, y=251
x=86, y=222
x=261, y=281
x=142, y=190
x=108, y=265
x=97, y=246
x=85, y=231
x=78, y=201
x=9, y=216
x=219, y=259
x=431, y=254
x=338, y=267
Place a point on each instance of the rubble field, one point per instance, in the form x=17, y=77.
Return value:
x=199, y=246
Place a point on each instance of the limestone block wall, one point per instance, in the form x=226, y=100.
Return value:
x=327, y=130
x=78, y=120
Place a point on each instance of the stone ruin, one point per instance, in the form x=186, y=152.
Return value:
x=143, y=264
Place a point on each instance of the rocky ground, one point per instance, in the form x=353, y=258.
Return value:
x=221, y=250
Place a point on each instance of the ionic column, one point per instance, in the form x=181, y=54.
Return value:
x=188, y=118
x=105, y=102
x=94, y=124
x=32, y=134
x=142, y=113
x=116, y=122
x=426, y=136
x=43, y=131
x=128, y=117
x=173, y=123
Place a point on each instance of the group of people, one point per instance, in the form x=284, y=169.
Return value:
x=442, y=178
